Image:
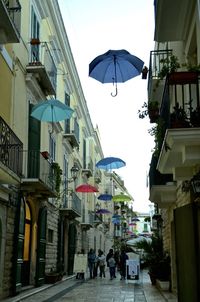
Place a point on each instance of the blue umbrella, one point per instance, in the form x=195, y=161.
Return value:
x=109, y=163
x=51, y=111
x=115, y=66
x=105, y=197
x=103, y=211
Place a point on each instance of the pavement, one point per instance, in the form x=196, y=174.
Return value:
x=97, y=290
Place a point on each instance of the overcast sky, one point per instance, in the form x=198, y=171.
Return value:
x=93, y=27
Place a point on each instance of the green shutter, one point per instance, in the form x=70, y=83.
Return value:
x=19, y=244
x=41, y=247
x=71, y=247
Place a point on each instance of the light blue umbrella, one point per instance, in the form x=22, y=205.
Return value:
x=109, y=163
x=51, y=111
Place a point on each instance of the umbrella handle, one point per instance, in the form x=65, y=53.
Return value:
x=113, y=95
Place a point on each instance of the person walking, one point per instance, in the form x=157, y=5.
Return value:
x=109, y=255
x=123, y=258
x=111, y=263
x=91, y=262
x=102, y=259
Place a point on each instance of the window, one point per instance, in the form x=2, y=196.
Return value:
x=52, y=147
x=35, y=33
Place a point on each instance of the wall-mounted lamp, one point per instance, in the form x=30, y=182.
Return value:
x=195, y=182
x=74, y=173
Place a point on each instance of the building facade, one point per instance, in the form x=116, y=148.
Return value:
x=174, y=170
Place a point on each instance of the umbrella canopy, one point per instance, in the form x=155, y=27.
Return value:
x=115, y=66
x=103, y=211
x=109, y=163
x=121, y=197
x=105, y=197
x=135, y=219
x=86, y=188
x=51, y=111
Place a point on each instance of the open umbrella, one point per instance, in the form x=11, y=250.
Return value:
x=109, y=163
x=115, y=66
x=135, y=219
x=51, y=111
x=105, y=197
x=103, y=211
x=86, y=188
x=121, y=198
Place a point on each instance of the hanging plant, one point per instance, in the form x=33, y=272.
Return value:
x=57, y=172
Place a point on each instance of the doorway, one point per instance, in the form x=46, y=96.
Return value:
x=25, y=277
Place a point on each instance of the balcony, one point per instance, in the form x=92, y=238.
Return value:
x=71, y=133
x=42, y=66
x=72, y=206
x=10, y=21
x=180, y=148
x=39, y=178
x=172, y=19
x=88, y=166
x=10, y=155
x=87, y=220
x=162, y=187
x=155, y=83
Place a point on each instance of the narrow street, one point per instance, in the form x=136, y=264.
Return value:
x=98, y=290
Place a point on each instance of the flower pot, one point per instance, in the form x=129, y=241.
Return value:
x=45, y=154
x=52, y=277
x=35, y=41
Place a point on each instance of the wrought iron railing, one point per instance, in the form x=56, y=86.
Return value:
x=72, y=126
x=156, y=64
x=10, y=149
x=155, y=177
x=37, y=167
x=40, y=55
x=14, y=11
x=73, y=202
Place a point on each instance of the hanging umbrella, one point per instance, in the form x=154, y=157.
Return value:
x=109, y=163
x=103, y=211
x=132, y=224
x=115, y=66
x=117, y=216
x=86, y=188
x=121, y=198
x=51, y=111
x=135, y=219
x=105, y=197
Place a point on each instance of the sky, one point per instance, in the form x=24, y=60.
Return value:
x=93, y=27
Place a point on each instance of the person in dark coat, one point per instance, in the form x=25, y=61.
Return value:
x=91, y=262
x=109, y=255
x=123, y=258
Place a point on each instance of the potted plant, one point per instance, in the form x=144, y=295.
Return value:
x=178, y=118
x=57, y=172
x=195, y=117
x=35, y=41
x=150, y=109
x=169, y=64
x=156, y=259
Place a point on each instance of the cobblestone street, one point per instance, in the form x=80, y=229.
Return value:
x=99, y=290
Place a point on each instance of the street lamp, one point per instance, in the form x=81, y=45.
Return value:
x=74, y=173
x=195, y=182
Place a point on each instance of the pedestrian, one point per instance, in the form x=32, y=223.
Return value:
x=109, y=255
x=123, y=258
x=111, y=262
x=91, y=261
x=97, y=262
x=102, y=260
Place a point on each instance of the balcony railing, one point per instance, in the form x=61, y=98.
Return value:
x=155, y=177
x=87, y=219
x=71, y=206
x=10, y=21
x=10, y=149
x=155, y=67
x=88, y=166
x=72, y=132
x=41, y=63
x=39, y=174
